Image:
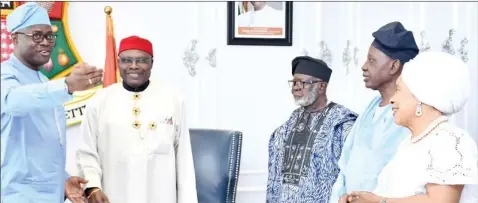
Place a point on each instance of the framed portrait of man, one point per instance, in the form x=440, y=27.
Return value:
x=259, y=23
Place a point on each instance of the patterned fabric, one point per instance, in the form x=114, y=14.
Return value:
x=315, y=183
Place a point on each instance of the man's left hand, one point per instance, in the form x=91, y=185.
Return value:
x=363, y=197
x=73, y=189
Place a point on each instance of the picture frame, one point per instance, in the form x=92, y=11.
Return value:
x=7, y=7
x=269, y=26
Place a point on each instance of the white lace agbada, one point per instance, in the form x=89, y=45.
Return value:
x=447, y=155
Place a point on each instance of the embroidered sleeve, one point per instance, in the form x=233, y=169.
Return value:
x=452, y=159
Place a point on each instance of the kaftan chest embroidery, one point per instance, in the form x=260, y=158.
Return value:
x=164, y=117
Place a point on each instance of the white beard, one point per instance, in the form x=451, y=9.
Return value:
x=308, y=99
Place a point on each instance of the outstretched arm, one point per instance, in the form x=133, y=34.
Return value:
x=18, y=99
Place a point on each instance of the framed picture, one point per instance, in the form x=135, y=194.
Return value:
x=259, y=23
x=7, y=7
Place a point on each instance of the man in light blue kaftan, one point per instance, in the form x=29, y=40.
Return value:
x=374, y=138
x=303, y=152
x=32, y=115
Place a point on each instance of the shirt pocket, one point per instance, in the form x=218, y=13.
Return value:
x=162, y=139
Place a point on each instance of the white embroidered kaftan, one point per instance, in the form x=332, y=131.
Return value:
x=137, y=147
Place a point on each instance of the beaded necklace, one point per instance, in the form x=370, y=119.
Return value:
x=434, y=124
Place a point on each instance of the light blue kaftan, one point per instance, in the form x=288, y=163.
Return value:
x=305, y=173
x=369, y=147
x=33, y=135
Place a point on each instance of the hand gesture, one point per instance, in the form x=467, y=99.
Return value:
x=83, y=77
x=95, y=195
x=363, y=197
x=344, y=199
x=74, y=190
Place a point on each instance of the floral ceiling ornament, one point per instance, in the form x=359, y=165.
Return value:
x=448, y=44
x=346, y=57
x=212, y=57
x=356, y=60
x=425, y=45
x=464, y=50
x=325, y=54
x=190, y=58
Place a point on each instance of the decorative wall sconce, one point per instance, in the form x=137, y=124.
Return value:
x=190, y=58
x=356, y=60
x=304, y=52
x=212, y=57
x=448, y=44
x=346, y=57
x=464, y=50
x=425, y=45
x=325, y=54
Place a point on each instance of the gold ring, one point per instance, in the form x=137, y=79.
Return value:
x=89, y=80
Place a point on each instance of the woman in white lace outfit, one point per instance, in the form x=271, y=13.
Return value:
x=438, y=163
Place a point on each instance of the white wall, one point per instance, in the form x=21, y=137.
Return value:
x=248, y=89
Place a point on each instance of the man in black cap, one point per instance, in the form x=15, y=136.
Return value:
x=375, y=137
x=303, y=152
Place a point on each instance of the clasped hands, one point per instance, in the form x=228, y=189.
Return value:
x=360, y=197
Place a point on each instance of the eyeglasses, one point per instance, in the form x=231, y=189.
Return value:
x=38, y=37
x=141, y=60
x=301, y=84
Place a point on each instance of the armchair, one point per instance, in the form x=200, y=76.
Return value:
x=217, y=157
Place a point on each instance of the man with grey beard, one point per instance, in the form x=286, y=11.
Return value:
x=304, y=151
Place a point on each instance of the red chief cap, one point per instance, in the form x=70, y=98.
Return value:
x=135, y=42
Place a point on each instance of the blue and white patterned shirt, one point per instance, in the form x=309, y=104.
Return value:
x=309, y=177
